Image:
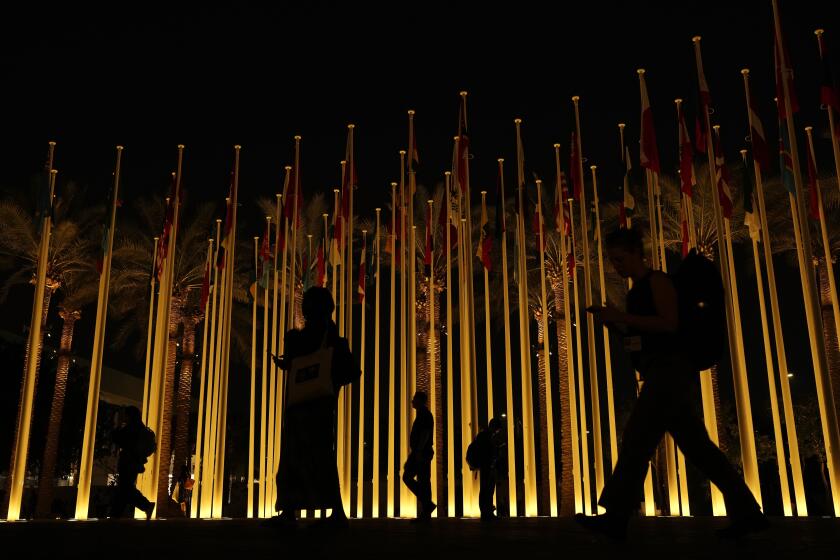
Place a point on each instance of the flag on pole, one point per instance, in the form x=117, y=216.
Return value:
x=648, y=153
x=43, y=203
x=794, y=102
x=362, y=271
x=163, y=241
x=813, y=193
x=699, y=128
x=750, y=217
x=205, y=288
x=485, y=243
x=685, y=242
x=628, y=203
x=226, y=228
x=574, y=163
x=785, y=159
x=414, y=155
x=463, y=146
x=559, y=204
x=724, y=180
x=829, y=96
x=500, y=207
x=266, y=257
x=106, y=228
x=760, y=149
x=687, y=177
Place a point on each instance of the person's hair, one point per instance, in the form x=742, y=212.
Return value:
x=495, y=424
x=627, y=239
x=317, y=303
x=132, y=414
x=421, y=397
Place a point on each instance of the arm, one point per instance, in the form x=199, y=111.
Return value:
x=666, y=319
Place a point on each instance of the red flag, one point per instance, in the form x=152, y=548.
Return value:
x=705, y=95
x=362, y=271
x=684, y=228
x=559, y=206
x=463, y=145
x=538, y=227
x=794, y=102
x=687, y=177
x=813, y=193
x=760, y=149
x=723, y=180
x=575, y=164
x=648, y=155
x=699, y=134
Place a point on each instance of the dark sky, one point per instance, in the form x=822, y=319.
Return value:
x=151, y=76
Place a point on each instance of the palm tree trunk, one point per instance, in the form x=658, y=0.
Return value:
x=723, y=439
x=832, y=351
x=165, y=437
x=45, y=484
x=26, y=355
x=422, y=330
x=182, y=407
x=566, y=507
x=544, y=490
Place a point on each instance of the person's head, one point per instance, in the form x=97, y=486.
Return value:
x=132, y=415
x=318, y=306
x=625, y=249
x=495, y=424
x=420, y=399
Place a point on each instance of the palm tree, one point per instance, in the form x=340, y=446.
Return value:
x=69, y=253
x=80, y=288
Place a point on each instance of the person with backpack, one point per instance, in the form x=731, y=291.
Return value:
x=417, y=471
x=487, y=454
x=136, y=442
x=658, y=338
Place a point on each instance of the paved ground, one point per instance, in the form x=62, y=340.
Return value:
x=467, y=539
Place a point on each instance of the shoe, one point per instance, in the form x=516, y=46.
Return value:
x=744, y=525
x=489, y=517
x=606, y=524
x=148, y=510
x=427, y=510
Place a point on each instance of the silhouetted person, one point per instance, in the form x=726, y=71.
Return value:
x=132, y=439
x=665, y=403
x=492, y=464
x=307, y=477
x=417, y=471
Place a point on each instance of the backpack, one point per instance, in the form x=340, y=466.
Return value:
x=474, y=455
x=146, y=444
x=702, y=310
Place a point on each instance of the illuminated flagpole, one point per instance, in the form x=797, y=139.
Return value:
x=360, y=474
x=150, y=330
x=450, y=395
x=487, y=343
x=334, y=258
x=86, y=463
x=735, y=340
x=584, y=432
x=249, y=509
x=273, y=418
x=202, y=392
x=432, y=344
x=200, y=493
x=530, y=473
x=402, y=408
x=549, y=408
x=376, y=377
x=590, y=321
x=280, y=336
x=781, y=355
x=574, y=442
x=264, y=386
x=509, y=408
x=391, y=474
x=835, y=144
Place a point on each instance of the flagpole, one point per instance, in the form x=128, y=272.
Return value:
x=281, y=335
x=150, y=330
x=571, y=413
x=450, y=404
x=590, y=322
x=403, y=408
x=376, y=377
x=200, y=493
x=251, y=427
x=264, y=385
x=273, y=418
x=549, y=405
x=432, y=346
x=525, y=340
x=203, y=388
x=509, y=409
x=584, y=440
x=467, y=417
x=391, y=474
x=487, y=343
x=348, y=330
x=334, y=258
x=294, y=227
x=735, y=339
x=360, y=470
x=85, y=468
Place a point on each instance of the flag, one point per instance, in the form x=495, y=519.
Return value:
x=294, y=200
x=226, y=228
x=794, y=103
x=724, y=180
x=163, y=241
x=463, y=146
x=575, y=164
x=687, y=177
x=485, y=243
x=699, y=128
x=570, y=255
x=500, y=206
x=628, y=203
x=703, y=88
x=337, y=239
x=106, y=228
x=560, y=224
x=539, y=228
x=829, y=96
x=265, y=259
x=205, y=288
x=362, y=271
x=813, y=192
x=648, y=153
x=750, y=216
x=760, y=149
x=785, y=159
x=414, y=156
x=684, y=228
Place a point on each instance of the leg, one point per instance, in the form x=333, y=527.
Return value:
x=410, y=475
x=485, y=494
